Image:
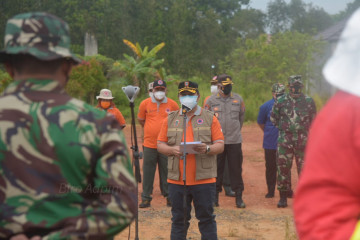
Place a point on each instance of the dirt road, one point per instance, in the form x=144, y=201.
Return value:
x=260, y=220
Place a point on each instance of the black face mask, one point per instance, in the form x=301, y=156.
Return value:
x=295, y=88
x=279, y=95
x=227, y=89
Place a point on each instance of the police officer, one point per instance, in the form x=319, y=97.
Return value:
x=226, y=178
x=292, y=114
x=65, y=170
x=229, y=108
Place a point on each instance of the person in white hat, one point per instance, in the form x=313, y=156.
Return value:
x=327, y=199
x=105, y=102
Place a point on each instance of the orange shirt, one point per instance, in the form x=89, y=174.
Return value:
x=119, y=117
x=154, y=113
x=216, y=135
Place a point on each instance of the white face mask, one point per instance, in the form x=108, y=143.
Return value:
x=159, y=95
x=189, y=101
x=151, y=94
x=214, y=89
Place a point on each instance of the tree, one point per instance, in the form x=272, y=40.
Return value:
x=249, y=23
x=297, y=16
x=256, y=64
x=350, y=9
x=86, y=80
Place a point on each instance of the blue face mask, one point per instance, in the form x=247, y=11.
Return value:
x=189, y=101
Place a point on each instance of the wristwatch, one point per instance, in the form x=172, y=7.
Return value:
x=207, y=149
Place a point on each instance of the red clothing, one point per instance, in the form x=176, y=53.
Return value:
x=327, y=199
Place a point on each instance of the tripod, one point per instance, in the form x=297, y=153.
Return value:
x=131, y=93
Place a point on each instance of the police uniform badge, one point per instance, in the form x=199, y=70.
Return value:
x=200, y=121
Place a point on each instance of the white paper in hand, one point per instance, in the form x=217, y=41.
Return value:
x=189, y=147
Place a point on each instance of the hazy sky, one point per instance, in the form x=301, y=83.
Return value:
x=330, y=6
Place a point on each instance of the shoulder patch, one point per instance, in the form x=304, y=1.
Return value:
x=243, y=106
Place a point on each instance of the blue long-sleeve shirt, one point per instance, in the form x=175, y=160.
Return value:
x=270, y=131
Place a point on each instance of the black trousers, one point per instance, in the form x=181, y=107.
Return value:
x=271, y=170
x=233, y=154
x=202, y=196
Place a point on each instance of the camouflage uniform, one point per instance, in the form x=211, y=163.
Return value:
x=64, y=166
x=293, y=116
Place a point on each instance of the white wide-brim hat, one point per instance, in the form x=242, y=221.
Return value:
x=105, y=94
x=342, y=70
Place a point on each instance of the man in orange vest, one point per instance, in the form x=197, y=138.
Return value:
x=200, y=169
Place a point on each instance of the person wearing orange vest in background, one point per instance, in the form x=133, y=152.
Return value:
x=226, y=177
x=105, y=102
x=151, y=113
x=327, y=197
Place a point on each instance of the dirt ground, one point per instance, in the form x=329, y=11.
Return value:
x=260, y=220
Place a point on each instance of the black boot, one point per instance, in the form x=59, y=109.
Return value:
x=270, y=195
x=290, y=194
x=238, y=200
x=271, y=191
x=283, y=200
x=229, y=192
x=216, y=203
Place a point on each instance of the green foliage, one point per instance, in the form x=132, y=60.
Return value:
x=105, y=62
x=297, y=16
x=320, y=101
x=5, y=80
x=193, y=36
x=86, y=80
x=141, y=70
x=132, y=71
x=350, y=9
x=256, y=64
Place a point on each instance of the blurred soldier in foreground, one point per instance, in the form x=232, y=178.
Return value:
x=64, y=166
x=270, y=138
x=292, y=114
x=327, y=199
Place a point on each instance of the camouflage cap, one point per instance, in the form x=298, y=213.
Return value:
x=278, y=88
x=41, y=35
x=295, y=79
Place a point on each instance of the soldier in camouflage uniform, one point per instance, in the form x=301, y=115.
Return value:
x=65, y=172
x=292, y=114
x=270, y=138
